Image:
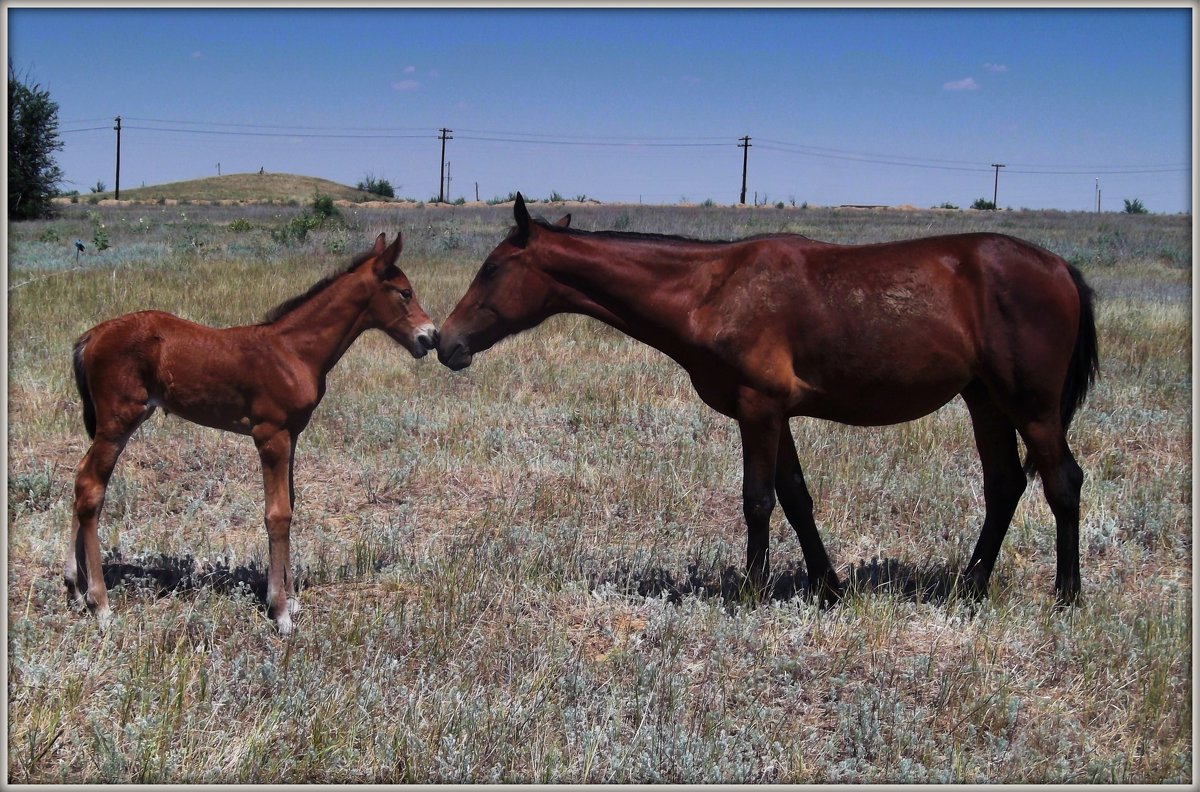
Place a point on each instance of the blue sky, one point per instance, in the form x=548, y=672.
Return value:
x=867, y=106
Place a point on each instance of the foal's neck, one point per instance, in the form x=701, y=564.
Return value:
x=321, y=329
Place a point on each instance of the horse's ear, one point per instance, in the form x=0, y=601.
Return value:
x=564, y=221
x=380, y=244
x=521, y=214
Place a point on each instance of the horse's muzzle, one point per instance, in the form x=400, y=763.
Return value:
x=455, y=357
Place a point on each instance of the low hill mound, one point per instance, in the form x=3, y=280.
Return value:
x=249, y=187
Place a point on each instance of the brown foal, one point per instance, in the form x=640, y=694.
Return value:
x=778, y=326
x=261, y=380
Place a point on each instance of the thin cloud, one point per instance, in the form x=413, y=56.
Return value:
x=995, y=67
x=410, y=69
x=405, y=85
x=965, y=84
x=197, y=55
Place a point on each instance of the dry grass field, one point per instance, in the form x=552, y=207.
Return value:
x=526, y=571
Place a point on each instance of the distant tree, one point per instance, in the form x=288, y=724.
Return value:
x=99, y=187
x=983, y=203
x=1135, y=207
x=381, y=187
x=33, y=176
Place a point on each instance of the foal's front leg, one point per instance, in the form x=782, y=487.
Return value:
x=276, y=449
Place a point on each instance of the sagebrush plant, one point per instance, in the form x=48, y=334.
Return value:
x=526, y=571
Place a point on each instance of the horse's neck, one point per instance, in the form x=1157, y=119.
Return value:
x=323, y=328
x=645, y=291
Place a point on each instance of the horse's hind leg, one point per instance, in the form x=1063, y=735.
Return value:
x=1062, y=482
x=797, y=506
x=1003, y=484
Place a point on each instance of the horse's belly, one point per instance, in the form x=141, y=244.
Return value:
x=884, y=392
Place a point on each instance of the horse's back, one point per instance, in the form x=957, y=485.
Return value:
x=888, y=332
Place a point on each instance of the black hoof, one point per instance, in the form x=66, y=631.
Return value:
x=970, y=586
x=828, y=591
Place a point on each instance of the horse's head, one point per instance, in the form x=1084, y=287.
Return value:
x=393, y=307
x=510, y=293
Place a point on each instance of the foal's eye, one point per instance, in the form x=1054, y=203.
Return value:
x=406, y=294
x=489, y=268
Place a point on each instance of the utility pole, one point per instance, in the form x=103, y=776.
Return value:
x=118, y=128
x=996, y=186
x=1097, y=196
x=745, y=147
x=476, y=192
x=442, y=173
x=448, y=180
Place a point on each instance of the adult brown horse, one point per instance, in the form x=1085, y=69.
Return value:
x=261, y=380
x=778, y=326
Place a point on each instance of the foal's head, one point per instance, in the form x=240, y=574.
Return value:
x=510, y=293
x=393, y=307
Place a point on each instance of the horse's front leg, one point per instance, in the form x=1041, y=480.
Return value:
x=275, y=449
x=760, y=426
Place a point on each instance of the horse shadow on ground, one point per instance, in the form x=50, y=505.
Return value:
x=932, y=584
x=165, y=575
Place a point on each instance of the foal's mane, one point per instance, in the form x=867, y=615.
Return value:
x=290, y=304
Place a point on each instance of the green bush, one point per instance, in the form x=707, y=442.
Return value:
x=1135, y=207
x=322, y=207
x=983, y=203
x=375, y=186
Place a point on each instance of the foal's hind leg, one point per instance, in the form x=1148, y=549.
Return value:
x=1003, y=484
x=84, y=573
x=797, y=506
x=1062, y=481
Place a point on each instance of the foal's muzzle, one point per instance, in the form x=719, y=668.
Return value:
x=427, y=339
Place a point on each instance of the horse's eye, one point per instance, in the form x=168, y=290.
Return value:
x=489, y=268
x=406, y=294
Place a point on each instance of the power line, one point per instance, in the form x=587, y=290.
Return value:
x=276, y=126
x=344, y=136
x=607, y=143
x=619, y=141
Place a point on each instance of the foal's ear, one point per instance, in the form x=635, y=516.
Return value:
x=564, y=221
x=386, y=258
x=379, y=244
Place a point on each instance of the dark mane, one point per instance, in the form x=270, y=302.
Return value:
x=290, y=304
x=650, y=237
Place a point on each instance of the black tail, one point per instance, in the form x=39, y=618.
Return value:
x=1085, y=360
x=89, y=408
